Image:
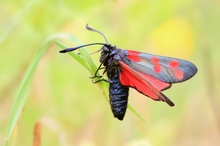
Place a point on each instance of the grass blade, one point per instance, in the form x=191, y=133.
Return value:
x=21, y=96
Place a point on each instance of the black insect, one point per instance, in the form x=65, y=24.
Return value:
x=147, y=73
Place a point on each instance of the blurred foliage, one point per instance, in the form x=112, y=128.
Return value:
x=72, y=110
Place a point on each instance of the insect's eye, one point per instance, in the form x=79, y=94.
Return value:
x=105, y=49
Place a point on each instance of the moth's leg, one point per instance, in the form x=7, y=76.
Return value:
x=96, y=76
x=105, y=80
x=100, y=76
x=99, y=68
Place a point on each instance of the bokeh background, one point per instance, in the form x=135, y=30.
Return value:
x=72, y=110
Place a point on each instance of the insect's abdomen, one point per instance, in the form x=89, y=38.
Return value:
x=118, y=95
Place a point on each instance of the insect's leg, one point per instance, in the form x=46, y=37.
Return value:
x=94, y=82
x=105, y=80
x=95, y=76
x=100, y=76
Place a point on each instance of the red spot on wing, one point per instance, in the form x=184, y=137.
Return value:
x=178, y=74
x=173, y=64
x=157, y=68
x=174, y=67
x=156, y=61
x=133, y=56
x=144, y=83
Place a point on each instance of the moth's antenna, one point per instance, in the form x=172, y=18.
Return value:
x=92, y=29
x=75, y=48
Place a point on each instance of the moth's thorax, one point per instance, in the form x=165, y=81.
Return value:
x=110, y=59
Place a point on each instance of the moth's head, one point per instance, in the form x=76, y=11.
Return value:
x=105, y=51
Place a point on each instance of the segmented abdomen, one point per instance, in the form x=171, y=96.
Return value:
x=118, y=95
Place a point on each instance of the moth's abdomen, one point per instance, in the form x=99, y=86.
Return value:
x=118, y=95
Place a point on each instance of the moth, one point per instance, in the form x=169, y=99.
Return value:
x=147, y=73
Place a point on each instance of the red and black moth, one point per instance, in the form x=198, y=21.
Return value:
x=147, y=73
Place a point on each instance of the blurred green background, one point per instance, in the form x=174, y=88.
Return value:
x=72, y=110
